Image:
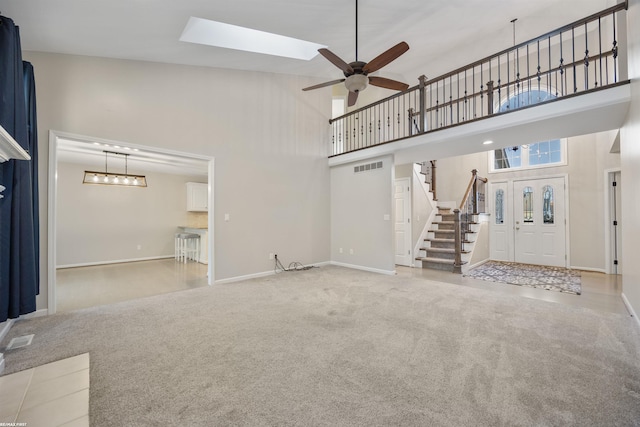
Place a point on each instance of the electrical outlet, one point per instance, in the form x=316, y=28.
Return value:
x=351, y=251
x=271, y=256
x=341, y=250
x=139, y=247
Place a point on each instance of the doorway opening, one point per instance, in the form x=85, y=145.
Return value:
x=88, y=151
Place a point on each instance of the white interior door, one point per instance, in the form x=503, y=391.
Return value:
x=501, y=221
x=539, y=222
x=615, y=224
x=402, y=210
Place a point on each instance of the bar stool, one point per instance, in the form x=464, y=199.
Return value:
x=187, y=246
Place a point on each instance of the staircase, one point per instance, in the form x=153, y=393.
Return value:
x=439, y=247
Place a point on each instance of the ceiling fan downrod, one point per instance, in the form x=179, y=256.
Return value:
x=356, y=30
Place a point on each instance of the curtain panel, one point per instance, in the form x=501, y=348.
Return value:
x=19, y=222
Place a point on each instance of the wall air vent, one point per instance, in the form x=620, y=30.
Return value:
x=367, y=167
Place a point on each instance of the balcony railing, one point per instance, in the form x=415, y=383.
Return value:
x=578, y=58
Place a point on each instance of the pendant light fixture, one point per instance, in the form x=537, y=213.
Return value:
x=109, y=178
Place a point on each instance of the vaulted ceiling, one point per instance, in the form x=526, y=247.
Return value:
x=442, y=34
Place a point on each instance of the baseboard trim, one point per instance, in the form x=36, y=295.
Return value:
x=360, y=267
x=120, y=261
x=630, y=309
x=594, y=270
x=5, y=327
x=245, y=277
x=263, y=274
x=38, y=313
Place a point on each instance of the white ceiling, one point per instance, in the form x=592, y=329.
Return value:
x=442, y=34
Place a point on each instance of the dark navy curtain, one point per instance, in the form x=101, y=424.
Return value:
x=19, y=239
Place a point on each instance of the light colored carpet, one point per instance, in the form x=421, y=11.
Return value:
x=536, y=276
x=338, y=347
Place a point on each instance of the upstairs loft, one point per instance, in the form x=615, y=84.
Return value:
x=570, y=81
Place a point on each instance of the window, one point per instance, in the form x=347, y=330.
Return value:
x=547, y=204
x=499, y=211
x=529, y=156
x=527, y=204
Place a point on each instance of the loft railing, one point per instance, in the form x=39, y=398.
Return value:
x=473, y=203
x=578, y=58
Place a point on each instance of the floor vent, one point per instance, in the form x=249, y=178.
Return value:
x=19, y=342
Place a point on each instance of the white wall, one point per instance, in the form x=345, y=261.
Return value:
x=630, y=154
x=588, y=157
x=102, y=223
x=359, y=203
x=269, y=139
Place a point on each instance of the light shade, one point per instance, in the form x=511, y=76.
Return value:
x=213, y=33
x=103, y=178
x=356, y=82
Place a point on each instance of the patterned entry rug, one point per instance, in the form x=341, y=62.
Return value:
x=536, y=276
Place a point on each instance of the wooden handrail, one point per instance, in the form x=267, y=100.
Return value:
x=474, y=178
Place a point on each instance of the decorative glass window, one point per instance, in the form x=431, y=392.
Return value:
x=547, y=204
x=499, y=212
x=528, y=156
x=527, y=204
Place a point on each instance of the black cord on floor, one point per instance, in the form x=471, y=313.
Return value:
x=294, y=266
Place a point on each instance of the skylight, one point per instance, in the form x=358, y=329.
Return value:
x=213, y=33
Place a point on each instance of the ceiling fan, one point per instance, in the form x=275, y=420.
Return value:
x=357, y=72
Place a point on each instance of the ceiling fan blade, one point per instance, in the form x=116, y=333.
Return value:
x=351, y=100
x=325, y=84
x=387, y=83
x=385, y=57
x=336, y=60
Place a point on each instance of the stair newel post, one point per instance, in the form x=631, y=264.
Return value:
x=490, y=97
x=457, y=263
x=423, y=102
x=474, y=194
x=433, y=179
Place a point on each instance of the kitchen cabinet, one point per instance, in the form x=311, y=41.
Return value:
x=197, y=197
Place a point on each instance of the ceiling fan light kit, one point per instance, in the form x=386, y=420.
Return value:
x=356, y=73
x=356, y=82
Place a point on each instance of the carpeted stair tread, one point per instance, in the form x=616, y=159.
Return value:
x=437, y=260
x=443, y=250
x=432, y=239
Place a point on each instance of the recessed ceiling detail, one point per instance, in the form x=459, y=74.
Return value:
x=219, y=34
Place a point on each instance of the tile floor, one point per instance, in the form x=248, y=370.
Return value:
x=83, y=287
x=55, y=394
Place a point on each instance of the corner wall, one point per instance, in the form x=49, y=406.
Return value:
x=630, y=154
x=360, y=205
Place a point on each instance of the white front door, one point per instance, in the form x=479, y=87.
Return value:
x=539, y=222
x=402, y=210
x=501, y=221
